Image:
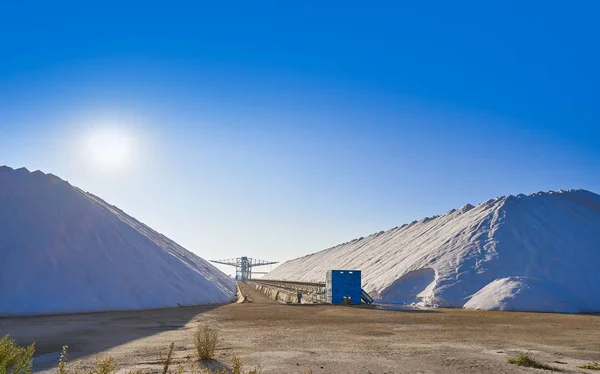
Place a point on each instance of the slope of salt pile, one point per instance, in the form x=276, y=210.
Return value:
x=63, y=250
x=539, y=252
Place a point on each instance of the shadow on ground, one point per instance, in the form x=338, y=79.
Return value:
x=109, y=329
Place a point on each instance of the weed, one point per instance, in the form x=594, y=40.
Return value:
x=62, y=362
x=590, y=366
x=524, y=359
x=205, y=341
x=104, y=365
x=15, y=359
x=238, y=368
x=18, y=360
x=236, y=365
x=167, y=362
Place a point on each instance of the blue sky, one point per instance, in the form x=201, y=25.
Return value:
x=275, y=130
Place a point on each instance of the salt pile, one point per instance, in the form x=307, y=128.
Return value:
x=539, y=252
x=63, y=250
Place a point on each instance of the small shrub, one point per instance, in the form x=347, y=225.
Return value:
x=524, y=359
x=15, y=359
x=205, y=341
x=590, y=366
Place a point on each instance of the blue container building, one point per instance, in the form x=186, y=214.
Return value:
x=344, y=286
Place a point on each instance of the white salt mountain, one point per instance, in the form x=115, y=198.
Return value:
x=537, y=253
x=63, y=250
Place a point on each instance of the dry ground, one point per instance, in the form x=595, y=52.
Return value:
x=321, y=338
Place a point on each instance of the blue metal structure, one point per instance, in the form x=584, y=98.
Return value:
x=343, y=286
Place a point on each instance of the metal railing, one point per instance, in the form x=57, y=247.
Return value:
x=311, y=291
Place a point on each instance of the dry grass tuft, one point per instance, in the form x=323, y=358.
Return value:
x=104, y=366
x=590, y=366
x=205, y=341
x=524, y=359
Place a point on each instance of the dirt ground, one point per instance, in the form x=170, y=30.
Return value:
x=322, y=338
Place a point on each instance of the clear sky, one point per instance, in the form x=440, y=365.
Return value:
x=277, y=129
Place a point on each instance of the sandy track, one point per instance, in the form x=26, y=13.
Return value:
x=321, y=338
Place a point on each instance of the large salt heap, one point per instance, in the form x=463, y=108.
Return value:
x=63, y=250
x=539, y=253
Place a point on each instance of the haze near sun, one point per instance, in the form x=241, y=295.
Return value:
x=110, y=148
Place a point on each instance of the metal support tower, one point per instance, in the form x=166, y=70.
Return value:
x=243, y=266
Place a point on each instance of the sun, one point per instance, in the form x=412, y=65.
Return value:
x=110, y=148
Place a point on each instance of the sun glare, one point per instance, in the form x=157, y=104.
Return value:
x=110, y=149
